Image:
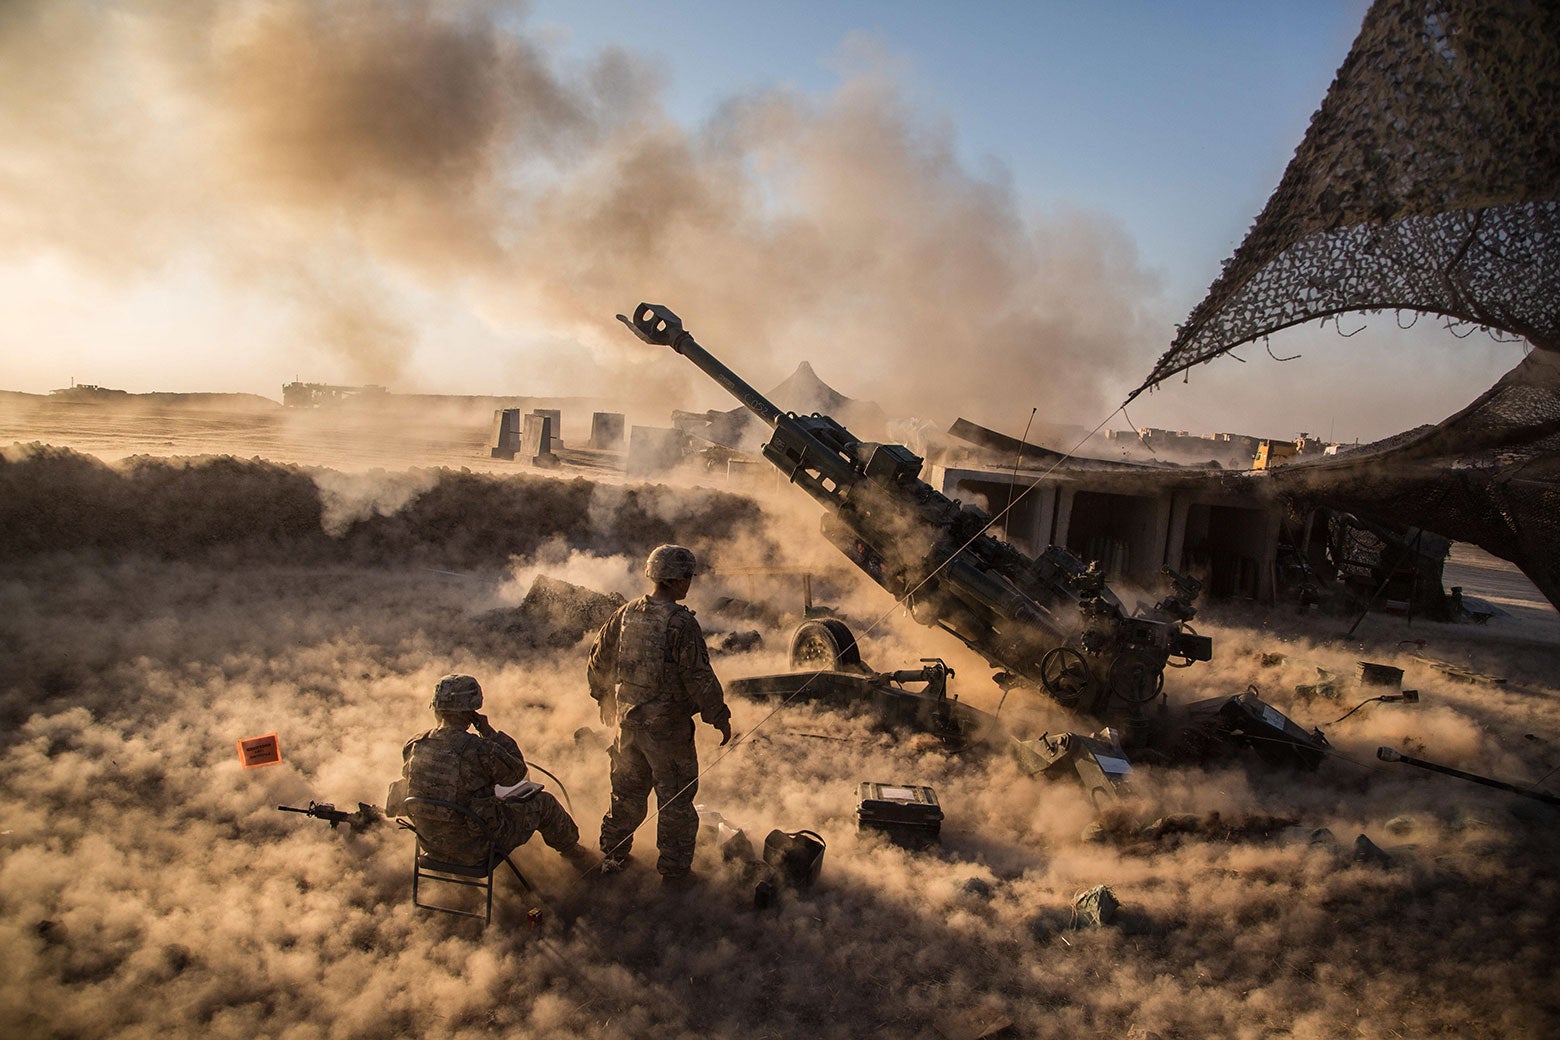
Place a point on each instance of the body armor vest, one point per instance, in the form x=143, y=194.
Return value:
x=645, y=654
x=439, y=767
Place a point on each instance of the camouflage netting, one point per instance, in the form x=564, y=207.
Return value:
x=1429, y=180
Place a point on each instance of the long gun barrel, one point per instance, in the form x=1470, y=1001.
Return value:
x=813, y=451
x=661, y=328
x=1387, y=754
x=1047, y=621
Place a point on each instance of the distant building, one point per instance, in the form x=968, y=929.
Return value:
x=1272, y=453
x=86, y=392
x=1227, y=449
x=1235, y=450
x=313, y=395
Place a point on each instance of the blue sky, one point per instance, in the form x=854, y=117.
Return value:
x=1175, y=118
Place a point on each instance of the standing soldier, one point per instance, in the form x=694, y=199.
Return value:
x=650, y=673
x=452, y=764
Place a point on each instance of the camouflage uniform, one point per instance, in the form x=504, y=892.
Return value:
x=650, y=671
x=455, y=765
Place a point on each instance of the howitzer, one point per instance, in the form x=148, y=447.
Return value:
x=1047, y=622
x=364, y=816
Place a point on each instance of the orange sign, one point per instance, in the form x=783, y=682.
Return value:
x=259, y=751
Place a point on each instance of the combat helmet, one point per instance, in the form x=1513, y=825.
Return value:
x=457, y=693
x=670, y=562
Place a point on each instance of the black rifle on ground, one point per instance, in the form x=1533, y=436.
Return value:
x=1387, y=754
x=365, y=816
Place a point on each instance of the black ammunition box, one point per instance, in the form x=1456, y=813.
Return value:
x=907, y=814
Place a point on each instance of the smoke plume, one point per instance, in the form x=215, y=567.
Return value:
x=394, y=177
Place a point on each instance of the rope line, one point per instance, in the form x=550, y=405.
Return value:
x=566, y=799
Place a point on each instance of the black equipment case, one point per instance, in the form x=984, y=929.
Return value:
x=908, y=814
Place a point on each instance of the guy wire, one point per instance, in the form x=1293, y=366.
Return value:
x=1018, y=458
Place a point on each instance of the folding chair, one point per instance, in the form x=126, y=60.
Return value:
x=426, y=867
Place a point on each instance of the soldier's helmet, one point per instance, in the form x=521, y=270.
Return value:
x=457, y=693
x=671, y=562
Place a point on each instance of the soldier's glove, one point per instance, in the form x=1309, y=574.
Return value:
x=725, y=732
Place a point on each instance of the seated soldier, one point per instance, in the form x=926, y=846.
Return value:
x=452, y=764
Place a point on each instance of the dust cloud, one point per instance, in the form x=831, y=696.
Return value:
x=400, y=179
x=148, y=886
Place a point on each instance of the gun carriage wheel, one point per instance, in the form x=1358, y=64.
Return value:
x=1135, y=677
x=1066, y=676
x=825, y=644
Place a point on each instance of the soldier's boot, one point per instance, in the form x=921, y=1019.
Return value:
x=679, y=882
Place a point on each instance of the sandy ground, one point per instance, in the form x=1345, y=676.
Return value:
x=149, y=887
x=1502, y=584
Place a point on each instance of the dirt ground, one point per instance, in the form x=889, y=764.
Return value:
x=312, y=575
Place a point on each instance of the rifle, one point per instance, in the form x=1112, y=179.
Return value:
x=1048, y=622
x=366, y=815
